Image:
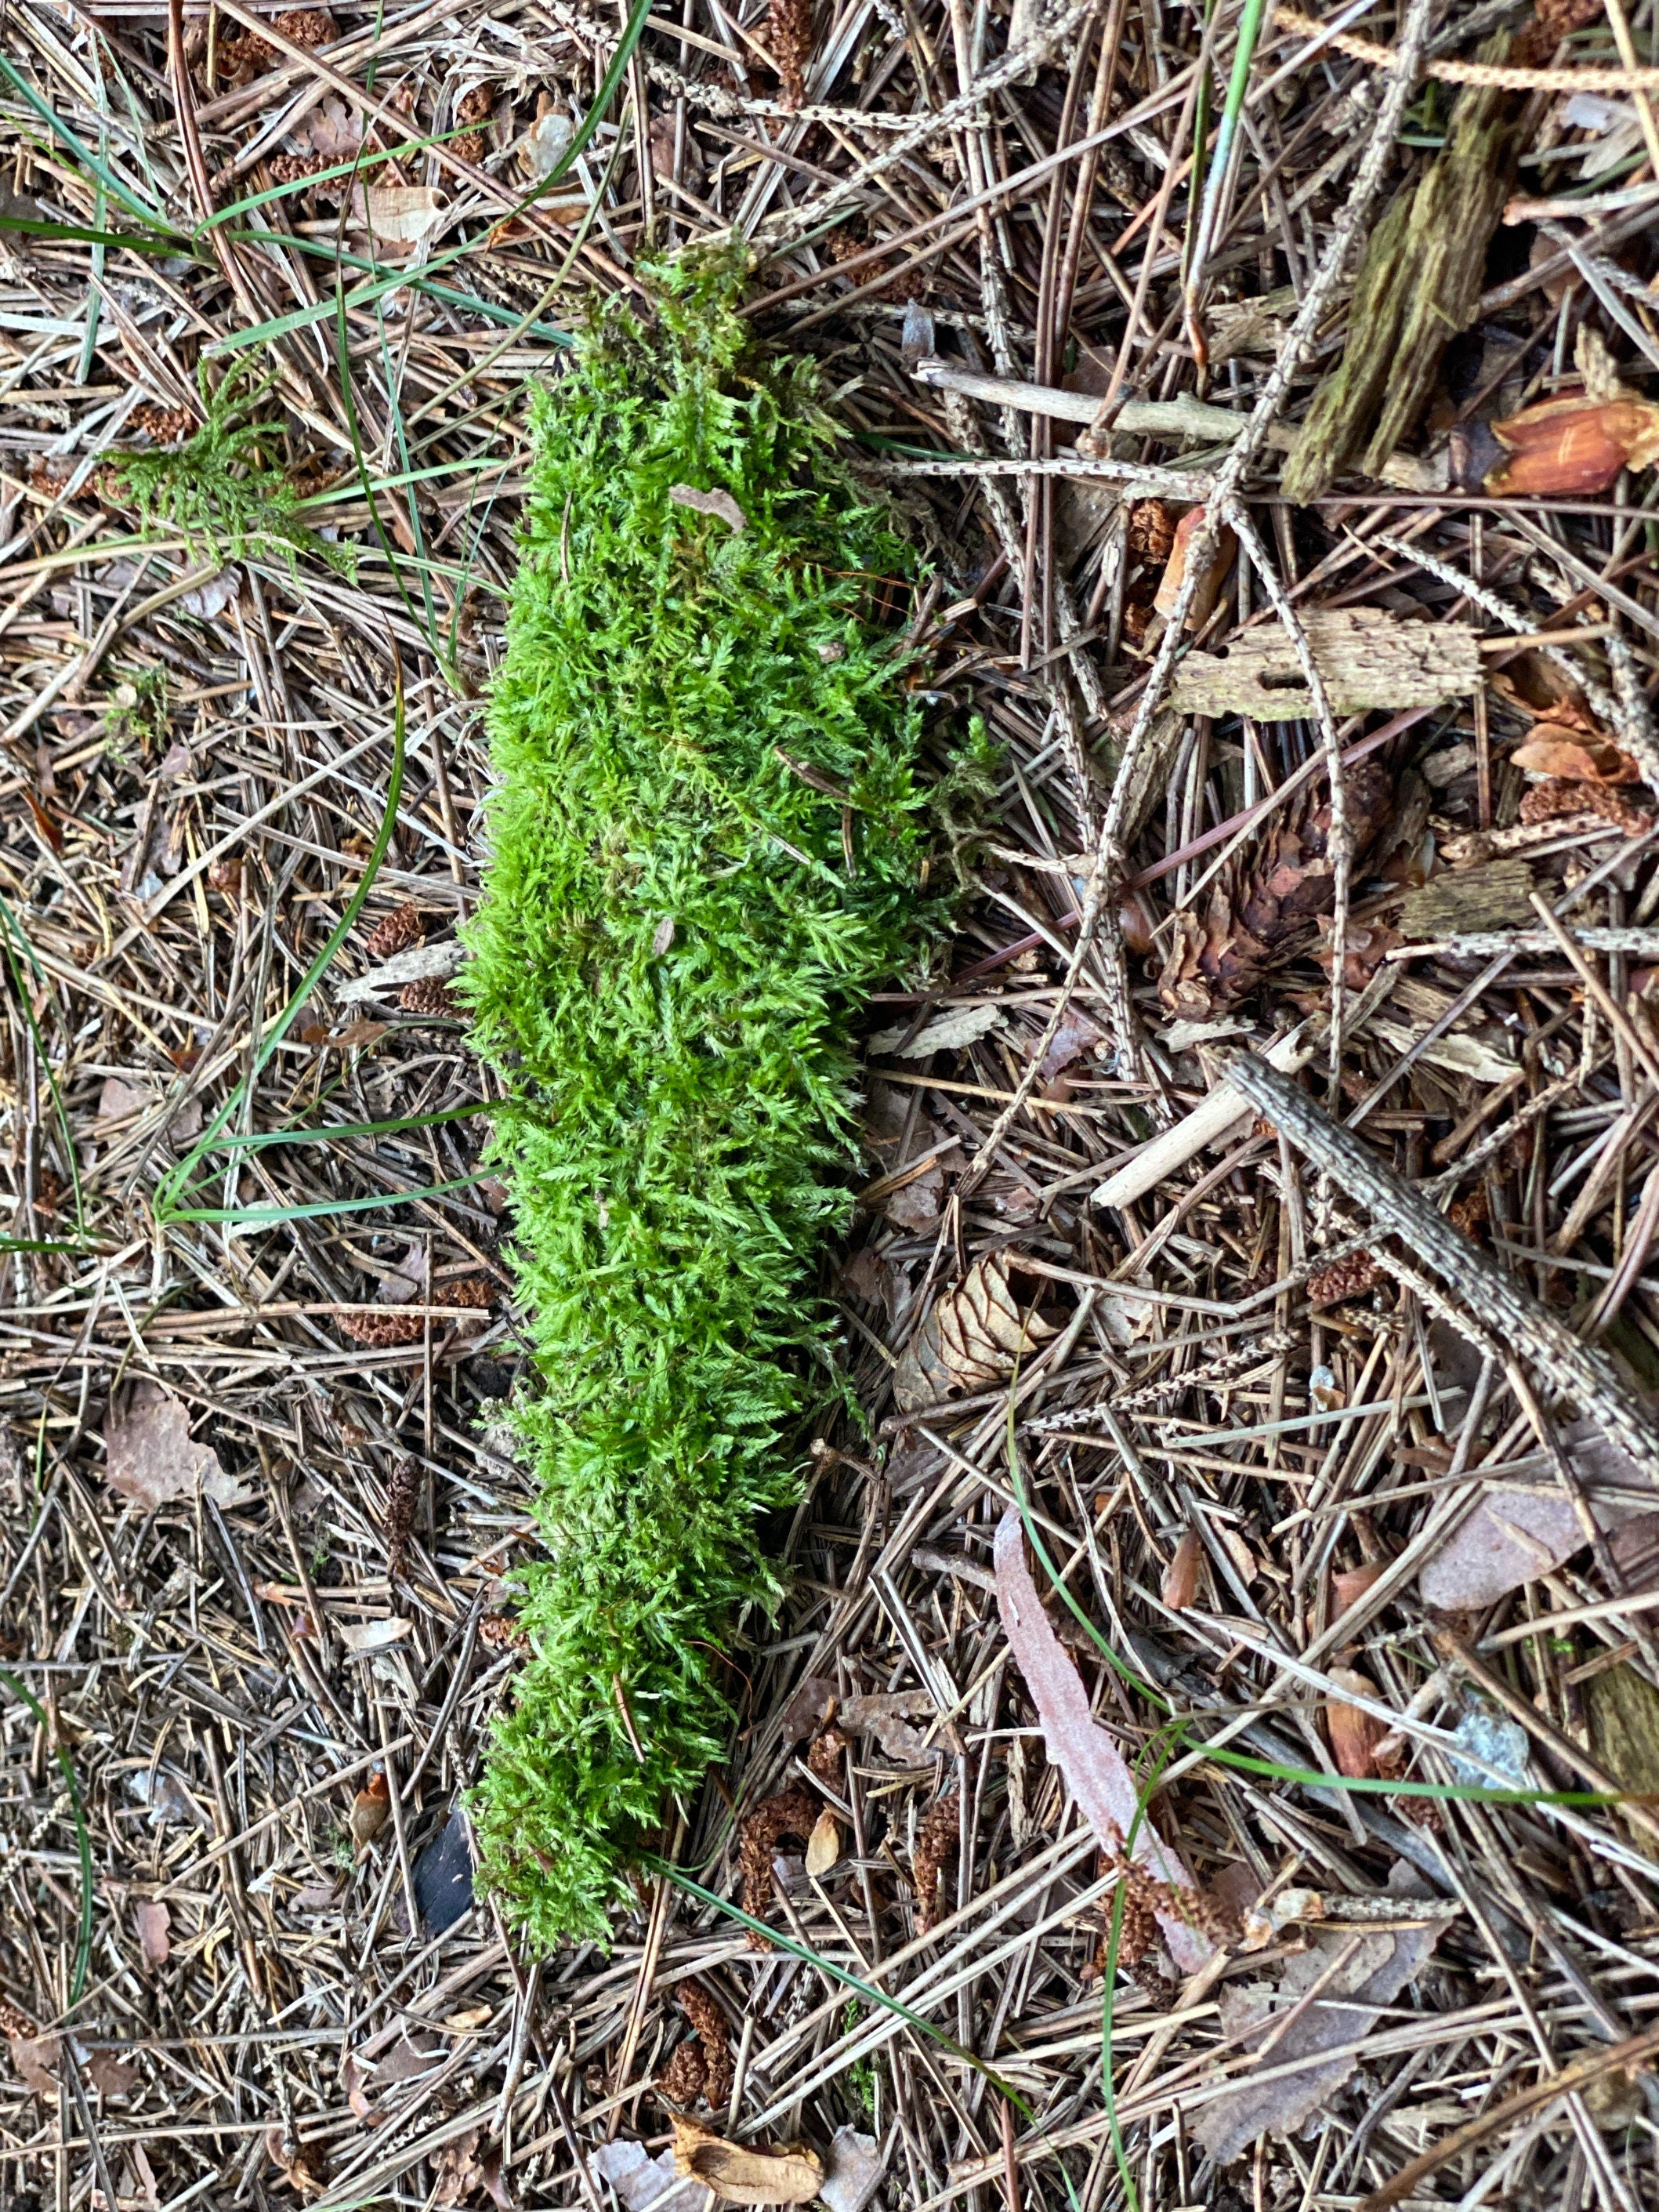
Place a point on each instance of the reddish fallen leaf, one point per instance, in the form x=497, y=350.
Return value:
x=746, y=2174
x=111, y=2074
x=1553, y=750
x=1575, y=446
x=371, y=1809
x=1348, y=1587
x=1175, y=571
x=1094, y=1767
x=1355, y=1734
x=1181, y=1576
x=152, y=1920
x=44, y=823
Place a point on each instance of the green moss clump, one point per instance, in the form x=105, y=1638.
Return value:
x=706, y=840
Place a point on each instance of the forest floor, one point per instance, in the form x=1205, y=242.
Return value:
x=1328, y=1408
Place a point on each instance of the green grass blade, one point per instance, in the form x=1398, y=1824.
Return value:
x=150, y=217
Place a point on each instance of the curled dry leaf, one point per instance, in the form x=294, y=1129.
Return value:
x=646, y=2183
x=1554, y=749
x=1094, y=1767
x=150, y=1456
x=152, y=1920
x=1348, y=1587
x=823, y=1845
x=1175, y=570
x=1355, y=1734
x=1181, y=1576
x=298, y=2165
x=971, y=1338
x=371, y=1809
x=740, y=2174
x=35, y=2059
x=1573, y=446
x=719, y=503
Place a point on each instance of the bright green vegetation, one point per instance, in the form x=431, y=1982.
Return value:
x=223, y=488
x=707, y=840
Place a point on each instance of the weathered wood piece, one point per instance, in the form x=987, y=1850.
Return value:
x=1482, y=898
x=1419, y=285
x=1367, y=657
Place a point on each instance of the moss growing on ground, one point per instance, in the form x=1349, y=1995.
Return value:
x=706, y=841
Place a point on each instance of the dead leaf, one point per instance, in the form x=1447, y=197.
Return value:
x=332, y=130
x=1553, y=750
x=35, y=2058
x=152, y=1920
x=1094, y=1767
x=545, y=145
x=1181, y=1576
x=149, y=1455
x=810, y=1703
x=397, y=215
x=1175, y=571
x=1573, y=446
x=743, y=2173
x=886, y=1717
x=1348, y=1587
x=459, y=2169
x=972, y=1336
x=354, y=2083
x=1355, y=1734
x=1360, y=1974
x=647, y=2183
x=371, y=1809
x=823, y=1845
x=947, y=1032
x=207, y=601
x=111, y=2074
x=1519, y=1531
x=118, y=1104
x=719, y=503
x=856, y=2170
x=361, y=1638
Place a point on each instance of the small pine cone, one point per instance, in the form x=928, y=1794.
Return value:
x=825, y=1753
x=396, y=931
x=306, y=26
x=703, y=2012
x=500, y=1631
x=791, y=1813
x=683, y=2079
x=380, y=1331
x=430, y=997
x=936, y=1847
x=1344, y=1278
x=403, y=1491
x=163, y=426
x=470, y=1290
x=789, y=42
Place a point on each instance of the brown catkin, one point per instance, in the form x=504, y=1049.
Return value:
x=1344, y=1278
x=791, y=1813
x=396, y=931
x=403, y=1491
x=703, y=2011
x=306, y=26
x=936, y=1848
x=789, y=42
x=473, y=107
x=430, y=997
x=379, y=1332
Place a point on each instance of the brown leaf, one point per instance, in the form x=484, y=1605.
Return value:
x=398, y=215
x=149, y=1455
x=1355, y=1735
x=1553, y=750
x=371, y=1809
x=459, y=2170
x=111, y=2074
x=1348, y=1587
x=1175, y=572
x=742, y=2173
x=1181, y=1576
x=1573, y=445
x=152, y=1920
x=35, y=2059
x=1376, y=1968
x=971, y=1337
x=1094, y=1767
x=823, y=1845
x=1523, y=1530
x=857, y=2170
